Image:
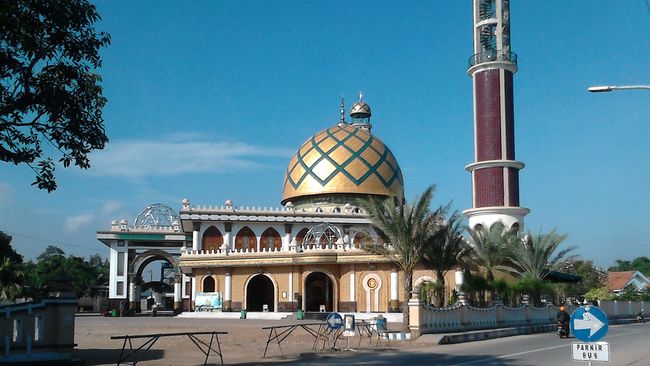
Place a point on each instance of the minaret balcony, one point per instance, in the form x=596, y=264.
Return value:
x=492, y=56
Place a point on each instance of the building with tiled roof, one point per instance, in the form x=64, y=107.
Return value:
x=617, y=281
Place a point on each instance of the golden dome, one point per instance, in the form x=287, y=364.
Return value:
x=342, y=159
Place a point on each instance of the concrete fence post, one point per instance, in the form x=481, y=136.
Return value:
x=415, y=315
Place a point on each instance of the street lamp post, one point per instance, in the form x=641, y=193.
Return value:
x=609, y=88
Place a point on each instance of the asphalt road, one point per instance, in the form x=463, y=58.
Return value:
x=629, y=345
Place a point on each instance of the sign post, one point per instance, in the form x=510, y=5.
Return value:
x=589, y=324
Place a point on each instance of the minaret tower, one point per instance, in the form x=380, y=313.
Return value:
x=495, y=172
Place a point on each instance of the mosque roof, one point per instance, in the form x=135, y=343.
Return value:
x=342, y=159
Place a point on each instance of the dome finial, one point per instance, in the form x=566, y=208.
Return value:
x=360, y=96
x=360, y=114
x=342, y=121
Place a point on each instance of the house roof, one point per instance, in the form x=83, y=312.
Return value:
x=618, y=280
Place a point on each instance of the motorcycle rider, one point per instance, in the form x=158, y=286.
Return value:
x=563, y=318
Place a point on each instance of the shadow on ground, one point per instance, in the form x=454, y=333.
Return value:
x=389, y=358
x=110, y=356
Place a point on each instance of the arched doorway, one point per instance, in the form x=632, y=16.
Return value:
x=212, y=239
x=319, y=290
x=259, y=292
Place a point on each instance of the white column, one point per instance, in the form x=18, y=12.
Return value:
x=226, y=240
x=353, y=286
x=193, y=280
x=227, y=296
x=196, y=240
x=393, y=285
x=286, y=240
x=178, y=302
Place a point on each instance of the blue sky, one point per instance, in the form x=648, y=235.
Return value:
x=208, y=100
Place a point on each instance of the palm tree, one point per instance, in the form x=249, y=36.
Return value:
x=444, y=248
x=405, y=226
x=488, y=246
x=537, y=255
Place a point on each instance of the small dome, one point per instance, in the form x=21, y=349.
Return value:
x=360, y=109
x=156, y=215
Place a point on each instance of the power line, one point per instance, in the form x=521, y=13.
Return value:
x=52, y=242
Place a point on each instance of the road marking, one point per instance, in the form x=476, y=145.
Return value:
x=511, y=355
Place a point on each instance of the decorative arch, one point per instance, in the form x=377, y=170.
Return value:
x=141, y=260
x=209, y=284
x=421, y=280
x=362, y=239
x=246, y=240
x=270, y=240
x=372, y=285
x=246, y=292
x=301, y=236
x=212, y=239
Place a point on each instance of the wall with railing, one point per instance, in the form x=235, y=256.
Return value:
x=460, y=318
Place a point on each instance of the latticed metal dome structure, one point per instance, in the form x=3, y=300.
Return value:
x=157, y=215
x=322, y=234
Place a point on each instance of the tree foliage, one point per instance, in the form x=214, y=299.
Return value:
x=444, y=248
x=538, y=254
x=50, y=96
x=53, y=271
x=489, y=246
x=641, y=264
x=405, y=226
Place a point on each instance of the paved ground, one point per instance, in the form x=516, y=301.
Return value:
x=245, y=343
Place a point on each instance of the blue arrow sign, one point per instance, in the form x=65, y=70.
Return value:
x=589, y=323
x=334, y=320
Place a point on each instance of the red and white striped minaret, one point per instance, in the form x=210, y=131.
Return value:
x=495, y=172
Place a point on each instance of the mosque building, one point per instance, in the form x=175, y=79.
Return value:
x=307, y=254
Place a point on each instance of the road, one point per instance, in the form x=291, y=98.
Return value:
x=629, y=345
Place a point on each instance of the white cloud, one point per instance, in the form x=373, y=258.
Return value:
x=111, y=206
x=74, y=223
x=143, y=158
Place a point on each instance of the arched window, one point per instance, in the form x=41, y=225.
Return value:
x=246, y=240
x=212, y=239
x=337, y=209
x=318, y=209
x=356, y=210
x=208, y=284
x=271, y=240
x=301, y=236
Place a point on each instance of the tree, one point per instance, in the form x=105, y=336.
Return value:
x=488, y=246
x=12, y=277
x=50, y=96
x=641, y=264
x=601, y=293
x=405, y=226
x=443, y=249
x=6, y=251
x=537, y=254
x=53, y=271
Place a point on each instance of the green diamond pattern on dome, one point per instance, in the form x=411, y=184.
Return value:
x=328, y=143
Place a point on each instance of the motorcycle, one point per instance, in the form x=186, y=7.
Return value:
x=640, y=318
x=562, y=330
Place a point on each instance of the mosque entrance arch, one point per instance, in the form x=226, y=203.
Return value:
x=319, y=290
x=260, y=291
x=163, y=288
